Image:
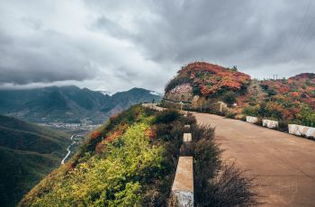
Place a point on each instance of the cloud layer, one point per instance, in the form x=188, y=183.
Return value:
x=115, y=46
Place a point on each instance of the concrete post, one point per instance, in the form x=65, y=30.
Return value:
x=183, y=186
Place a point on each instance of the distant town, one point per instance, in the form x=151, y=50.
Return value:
x=71, y=126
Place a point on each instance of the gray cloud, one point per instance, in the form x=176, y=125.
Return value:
x=112, y=46
x=250, y=34
x=45, y=57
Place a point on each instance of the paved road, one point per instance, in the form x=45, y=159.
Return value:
x=284, y=164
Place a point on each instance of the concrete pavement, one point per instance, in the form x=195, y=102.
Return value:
x=283, y=164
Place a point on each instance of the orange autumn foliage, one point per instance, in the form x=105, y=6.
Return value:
x=95, y=134
x=99, y=148
x=212, y=78
x=151, y=133
x=295, y=94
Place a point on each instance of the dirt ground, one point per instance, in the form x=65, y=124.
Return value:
x=283, y=164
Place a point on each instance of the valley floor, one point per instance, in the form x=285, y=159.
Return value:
x=283, y=164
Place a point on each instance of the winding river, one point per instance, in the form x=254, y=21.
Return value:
x=69, y=150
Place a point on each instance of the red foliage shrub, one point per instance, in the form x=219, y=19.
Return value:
x=95, y=134
x=113, y=136
x=212, y=78
x=295, y=94
x=99, y=148
x=151, y=133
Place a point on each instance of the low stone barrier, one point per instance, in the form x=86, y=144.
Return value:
x=187, y=137
x=251, y=119
x=300, y=130
x=183, y=186
x=270, y=123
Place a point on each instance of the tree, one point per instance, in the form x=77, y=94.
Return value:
x=229, y=97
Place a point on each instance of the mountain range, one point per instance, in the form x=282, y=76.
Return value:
x=69, y=103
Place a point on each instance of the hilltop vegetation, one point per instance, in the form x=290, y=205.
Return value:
x=131, y=161
x=127, y=162
x=209, y=80
x=68, y=103
x=202, y=86
x=27, y=153
x=290, y=99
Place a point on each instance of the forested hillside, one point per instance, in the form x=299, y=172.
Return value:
x=69, y=103
x=27, y=153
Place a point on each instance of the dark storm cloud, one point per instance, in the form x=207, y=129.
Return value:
x=143, y=43
x=46, y=57
x=246, y=33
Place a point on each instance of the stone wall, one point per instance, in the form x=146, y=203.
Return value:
x=300, y=130
x=270, y=123
x=251, y=119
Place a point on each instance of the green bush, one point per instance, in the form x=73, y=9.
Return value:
x=229, y=97
x=251, y=110
x=166, y=117
x=230, y=114
x=196, y=90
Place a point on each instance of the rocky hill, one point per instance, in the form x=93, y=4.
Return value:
x=68, y=103
x=27, y=153
x=207, y=87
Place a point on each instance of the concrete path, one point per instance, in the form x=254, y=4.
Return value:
x=283, y=164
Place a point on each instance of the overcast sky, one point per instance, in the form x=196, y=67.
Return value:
x=118, y=44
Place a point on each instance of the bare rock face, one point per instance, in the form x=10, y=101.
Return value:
x=181, y=92
x=198, y=101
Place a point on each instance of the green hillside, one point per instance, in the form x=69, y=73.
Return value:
x=126, y=162
x=131, y=161
x=27, y=153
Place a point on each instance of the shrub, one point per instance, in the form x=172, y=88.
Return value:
x=163, y=131
x=189, y=119
x=196, y=90
x=206, y=156
x=217, y=184
x=283, y=126
x=230, y=188
x=166, y=116
x=259, y=122
x=251, y=110
x=230, y=114
x=229, y=97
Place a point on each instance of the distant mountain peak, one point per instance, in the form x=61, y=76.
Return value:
x=106, y=93
x=69, y=103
